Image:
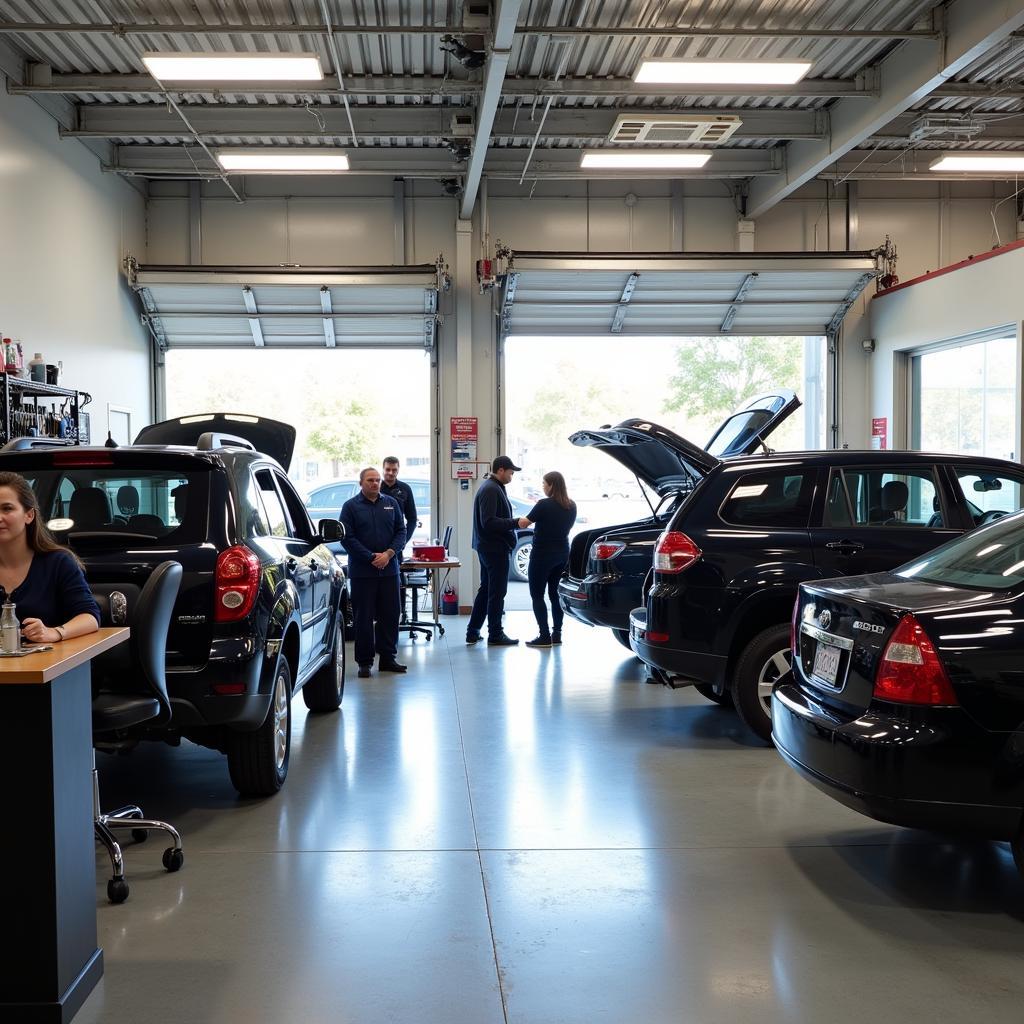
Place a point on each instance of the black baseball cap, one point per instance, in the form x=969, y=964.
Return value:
x=504, y=462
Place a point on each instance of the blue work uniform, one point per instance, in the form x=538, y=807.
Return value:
x=494, y=539
x=370, y=527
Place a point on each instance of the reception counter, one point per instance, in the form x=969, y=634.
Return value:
x=47, y=857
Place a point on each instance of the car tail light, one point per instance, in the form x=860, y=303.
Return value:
x=605, y=549
x=656, y=638
x=910, y=671
x=675, y=552
x=237, y=583
x=82, y=457
x=794, y=635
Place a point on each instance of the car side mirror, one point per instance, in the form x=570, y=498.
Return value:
x=331, y=530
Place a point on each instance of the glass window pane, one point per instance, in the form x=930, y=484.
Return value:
x=272, y=503
x=893, y=498
x=777, y=498
x=988, y=492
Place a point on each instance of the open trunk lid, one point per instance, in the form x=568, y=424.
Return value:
x=269, y=437
x=752, y=422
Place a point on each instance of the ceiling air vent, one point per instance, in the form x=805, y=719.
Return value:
x=708, y=129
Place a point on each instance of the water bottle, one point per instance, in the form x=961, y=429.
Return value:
x=10, y=629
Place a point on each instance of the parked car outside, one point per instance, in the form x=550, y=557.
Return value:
x=325, y=501
x=604, y=579
x=727, y=568
x=259, y=614
x=906, y=700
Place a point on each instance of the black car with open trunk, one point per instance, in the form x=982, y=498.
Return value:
x=727, y=568
x=260, y=612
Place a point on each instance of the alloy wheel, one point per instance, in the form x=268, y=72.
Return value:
x=281, y=711
x=771, y=671
x=522, y=559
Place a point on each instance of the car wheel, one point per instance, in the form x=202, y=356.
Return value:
x=326, y=688
x=258, y=760
x=725, y=699
x=519, y=567
x=763, y=661
x=622, y=635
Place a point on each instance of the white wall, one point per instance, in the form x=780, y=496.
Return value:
x=967, y=301
x=64, y=227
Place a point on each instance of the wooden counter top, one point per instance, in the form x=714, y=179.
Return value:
x=412, y=564
x=47, y=665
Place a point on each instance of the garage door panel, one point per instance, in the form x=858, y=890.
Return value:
x=648, y=294
x=191, y=307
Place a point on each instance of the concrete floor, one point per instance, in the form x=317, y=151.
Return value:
x=534, y=837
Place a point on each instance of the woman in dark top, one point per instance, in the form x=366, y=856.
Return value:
x=552, y=518
x=44, y=580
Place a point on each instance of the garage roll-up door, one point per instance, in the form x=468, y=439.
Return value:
x=651, y=294
x=308, y=307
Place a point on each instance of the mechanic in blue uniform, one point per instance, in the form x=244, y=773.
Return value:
x=402, y=493
x=374, y=539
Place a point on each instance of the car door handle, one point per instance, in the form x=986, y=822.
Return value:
x=845, y=547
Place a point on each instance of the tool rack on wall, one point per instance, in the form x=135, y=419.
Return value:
x=29, y=408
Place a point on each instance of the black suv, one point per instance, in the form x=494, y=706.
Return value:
x=727, y=568
x=603, y=581
x=260, y=611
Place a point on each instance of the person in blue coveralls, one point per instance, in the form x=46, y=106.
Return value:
x=374, y=536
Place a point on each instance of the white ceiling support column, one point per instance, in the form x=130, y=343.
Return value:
x=464, y=406
x=505, y=17
x=745, y=235
x=906, y=76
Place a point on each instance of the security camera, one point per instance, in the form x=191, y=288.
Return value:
x=468, y=58
x=868, y=345
x=452, y=186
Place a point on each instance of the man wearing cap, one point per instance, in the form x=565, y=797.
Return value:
x=494, y=540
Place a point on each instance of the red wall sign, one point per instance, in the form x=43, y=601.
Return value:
x=880, y=433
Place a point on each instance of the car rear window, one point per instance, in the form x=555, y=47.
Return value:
x=770, y=498
x=991, y=558
x=154, y=507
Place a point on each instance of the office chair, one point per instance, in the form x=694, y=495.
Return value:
x=114, y=713
x=412, y=583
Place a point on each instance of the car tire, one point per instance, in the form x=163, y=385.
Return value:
x=326, y=688
x=519, y=565
x=622, y=635
x=760, y=664
x=705, y=690
x=258, y=760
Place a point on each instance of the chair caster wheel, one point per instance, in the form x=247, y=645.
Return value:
x=173, y=859
x=140, y=835
x=117, y=890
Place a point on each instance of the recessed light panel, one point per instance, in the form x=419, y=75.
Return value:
x=316, y=161
x=234, y=67
x=719, y=72
x=657, y=159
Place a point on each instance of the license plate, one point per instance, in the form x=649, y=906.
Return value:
x=826, y=663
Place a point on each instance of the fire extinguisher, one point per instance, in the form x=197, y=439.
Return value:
x=449, y=600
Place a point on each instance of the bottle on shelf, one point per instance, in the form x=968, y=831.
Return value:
x=10, y=357
x=37, y=368
x=110, y=442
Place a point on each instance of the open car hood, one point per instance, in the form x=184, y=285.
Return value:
x=667, y=462
x=269, y=437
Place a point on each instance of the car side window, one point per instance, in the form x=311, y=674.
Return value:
x=989, y=495
x=276, y=515
x=775, y=498
x=259, y=526
x=301, y=527
x=877, y=497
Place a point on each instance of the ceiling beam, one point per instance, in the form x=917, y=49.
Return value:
x=913, y=71
x=505, y=16
x=103, y=120
x=419, y=86
x=602, y=31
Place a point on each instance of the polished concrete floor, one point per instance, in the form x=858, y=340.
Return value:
x=510, y=835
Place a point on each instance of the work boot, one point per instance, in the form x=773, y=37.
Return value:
x=364, y=671
x=501, y=640
x=539, y=641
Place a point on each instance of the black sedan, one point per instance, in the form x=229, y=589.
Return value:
x=906, y=699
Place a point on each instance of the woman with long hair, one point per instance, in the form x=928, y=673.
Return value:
x=44, y=580
x=552, y=517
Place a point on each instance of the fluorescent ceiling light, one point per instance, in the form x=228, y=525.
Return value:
x=234, y=67
x=721, y=72
x=978, y=162
x=637, y=159
x=311, y=161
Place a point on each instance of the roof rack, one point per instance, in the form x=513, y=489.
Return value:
x=22, y=444
x=211, y=440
